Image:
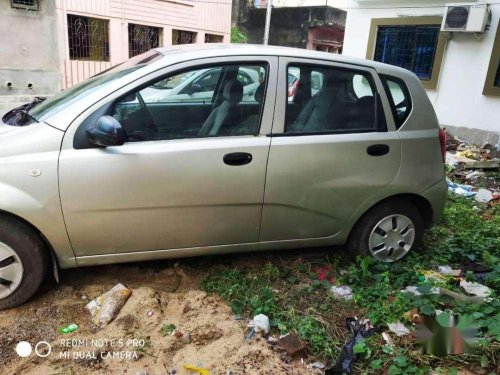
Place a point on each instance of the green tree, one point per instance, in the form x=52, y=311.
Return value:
x=238, y=36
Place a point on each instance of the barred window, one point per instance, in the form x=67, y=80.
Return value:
x=213, y=38
x=412, y=47
x=183, y=37
x=88, y=38
x=25, y=4
x=142, y=38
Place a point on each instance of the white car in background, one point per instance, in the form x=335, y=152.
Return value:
x=200, y=86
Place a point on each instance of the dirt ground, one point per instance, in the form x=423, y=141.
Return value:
x=161, y=293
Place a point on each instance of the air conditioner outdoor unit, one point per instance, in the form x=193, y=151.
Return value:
x=468, y=18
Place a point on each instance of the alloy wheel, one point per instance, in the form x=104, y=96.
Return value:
x=11, y=270
x=392, y=238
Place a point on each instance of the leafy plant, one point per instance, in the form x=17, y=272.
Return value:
x=238, y=36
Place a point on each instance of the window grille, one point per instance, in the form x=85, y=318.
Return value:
x=88, y=38
x=25, y=4
x=411, y=47
x=183, y=37
x=142, y=38
x=213, y=38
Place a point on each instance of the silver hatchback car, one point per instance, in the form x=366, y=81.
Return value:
x=119, y=169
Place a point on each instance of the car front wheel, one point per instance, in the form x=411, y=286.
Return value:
x=23, y=261
x=388, y=232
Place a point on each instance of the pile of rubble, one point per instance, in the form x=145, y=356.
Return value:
x=473, y=171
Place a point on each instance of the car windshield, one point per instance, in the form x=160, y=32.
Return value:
x=60, y=101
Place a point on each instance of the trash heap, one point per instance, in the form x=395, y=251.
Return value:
x=472, y=171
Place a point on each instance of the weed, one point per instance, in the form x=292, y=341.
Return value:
x=296, y=299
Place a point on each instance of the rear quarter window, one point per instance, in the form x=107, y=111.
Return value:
x=399, y=98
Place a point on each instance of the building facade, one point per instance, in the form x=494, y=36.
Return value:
x=307, y=24
x=459, y=70
x=75, y=39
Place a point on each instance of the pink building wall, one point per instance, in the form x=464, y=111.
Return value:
x=202, y=17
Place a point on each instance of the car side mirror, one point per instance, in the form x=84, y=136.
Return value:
x=195, y=87
x=107, y=132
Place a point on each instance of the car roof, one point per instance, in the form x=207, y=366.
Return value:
x=185, y=52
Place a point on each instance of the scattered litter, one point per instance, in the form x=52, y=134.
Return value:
x=272, y=340
x=464, y=190
x=69, y=328
x=107, y=306
x=454, y=159
x=293, y=345
x=414, y=290
x=484, y=196
x=250, y=333
x=474, y=175
x=84, y=297
x=238, y=317
x=472, y=153
x=316, y=365
x=475, y=288
x=413, y=315
x=150, y=313
x=462, y=297
x=388, y=339
x=172, y=371
x=199, y=370
x=448, y=271
x=399, y=329
x=360, y=329
x=432, y=275
x=342, y=292
x=489, y=150
x=325, y=273
x=178, y=334
x=167, y=329
x=261, y=323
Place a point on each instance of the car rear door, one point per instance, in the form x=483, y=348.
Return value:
x=166, y=190
x=332, y=148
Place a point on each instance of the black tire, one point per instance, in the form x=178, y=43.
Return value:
x=358, y=242
x=33, y=254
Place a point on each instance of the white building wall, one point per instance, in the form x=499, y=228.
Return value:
x=458, y=99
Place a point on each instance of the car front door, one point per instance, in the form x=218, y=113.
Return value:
x=332, y=148
x=168, y=187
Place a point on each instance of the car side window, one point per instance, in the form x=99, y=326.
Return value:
x=204, y=102
x=399, y=98
x=331, y=100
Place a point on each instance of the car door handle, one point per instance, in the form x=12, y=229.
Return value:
x=237, y=158
x=377, y=150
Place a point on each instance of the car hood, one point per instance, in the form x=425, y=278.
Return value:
x=35, y=138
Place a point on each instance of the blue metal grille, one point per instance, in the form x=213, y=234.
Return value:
x=410, y=47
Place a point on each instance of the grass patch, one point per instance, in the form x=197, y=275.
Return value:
x=288, y=290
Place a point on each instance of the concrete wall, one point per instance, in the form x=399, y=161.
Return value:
x=458, y=99
x=29, y=53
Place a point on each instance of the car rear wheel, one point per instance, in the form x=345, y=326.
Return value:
x=388, y=232
x=23, y=262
